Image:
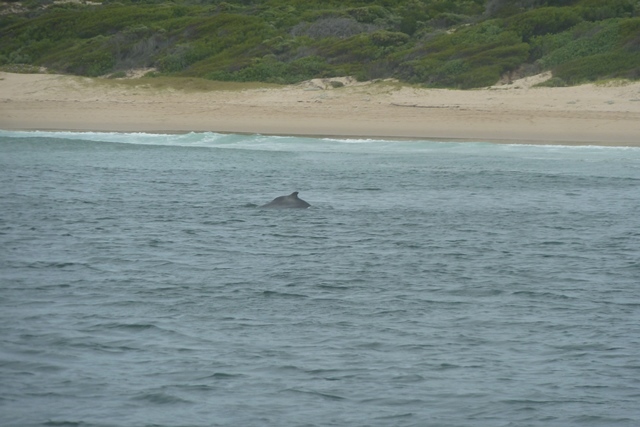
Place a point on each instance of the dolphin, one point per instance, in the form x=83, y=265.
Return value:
x=287, y=202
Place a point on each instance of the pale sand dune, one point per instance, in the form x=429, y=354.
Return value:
x=589, y=114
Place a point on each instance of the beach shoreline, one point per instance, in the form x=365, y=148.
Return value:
x=603, y=115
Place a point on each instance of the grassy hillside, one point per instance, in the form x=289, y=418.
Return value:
x=438, y=43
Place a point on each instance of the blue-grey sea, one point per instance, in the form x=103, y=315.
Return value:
x=429, y=283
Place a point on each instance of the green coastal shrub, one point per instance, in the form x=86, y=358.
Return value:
x=478, y=77
x=630, y=29
x=270, y=70
x=581, y=41
x=597, y=10
x=389, y=38
x=592, y=50
x=92, y=64
x=471, y=57
x=368, y=14
x=442, y=43
x=545, y=20
x=601, y=66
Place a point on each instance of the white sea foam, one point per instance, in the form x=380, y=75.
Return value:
x=348, y=145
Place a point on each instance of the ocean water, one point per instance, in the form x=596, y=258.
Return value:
x=430, y=283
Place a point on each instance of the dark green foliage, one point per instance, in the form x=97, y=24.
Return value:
x=442, y=43
x=270, y=70
x=331, y=26
x=506, y=8
x=389, y=38
x=92, y=64
x=630, y=29
x=592, y=50
x=369, y=14
x=471, y=57
x=604, y=65
x=546, y=20
x=583, y=40
x=597, y=10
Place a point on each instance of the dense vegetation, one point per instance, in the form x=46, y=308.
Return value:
x=439, y=43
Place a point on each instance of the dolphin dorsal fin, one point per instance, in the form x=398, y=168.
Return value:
x=294, y=194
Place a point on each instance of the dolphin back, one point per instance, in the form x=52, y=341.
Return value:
x=292, y=201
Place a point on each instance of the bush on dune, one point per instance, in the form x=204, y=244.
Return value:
x=444, y=43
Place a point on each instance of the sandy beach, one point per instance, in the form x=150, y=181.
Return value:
x=516, y=112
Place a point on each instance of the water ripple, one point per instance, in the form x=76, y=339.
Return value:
x=429, y=284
